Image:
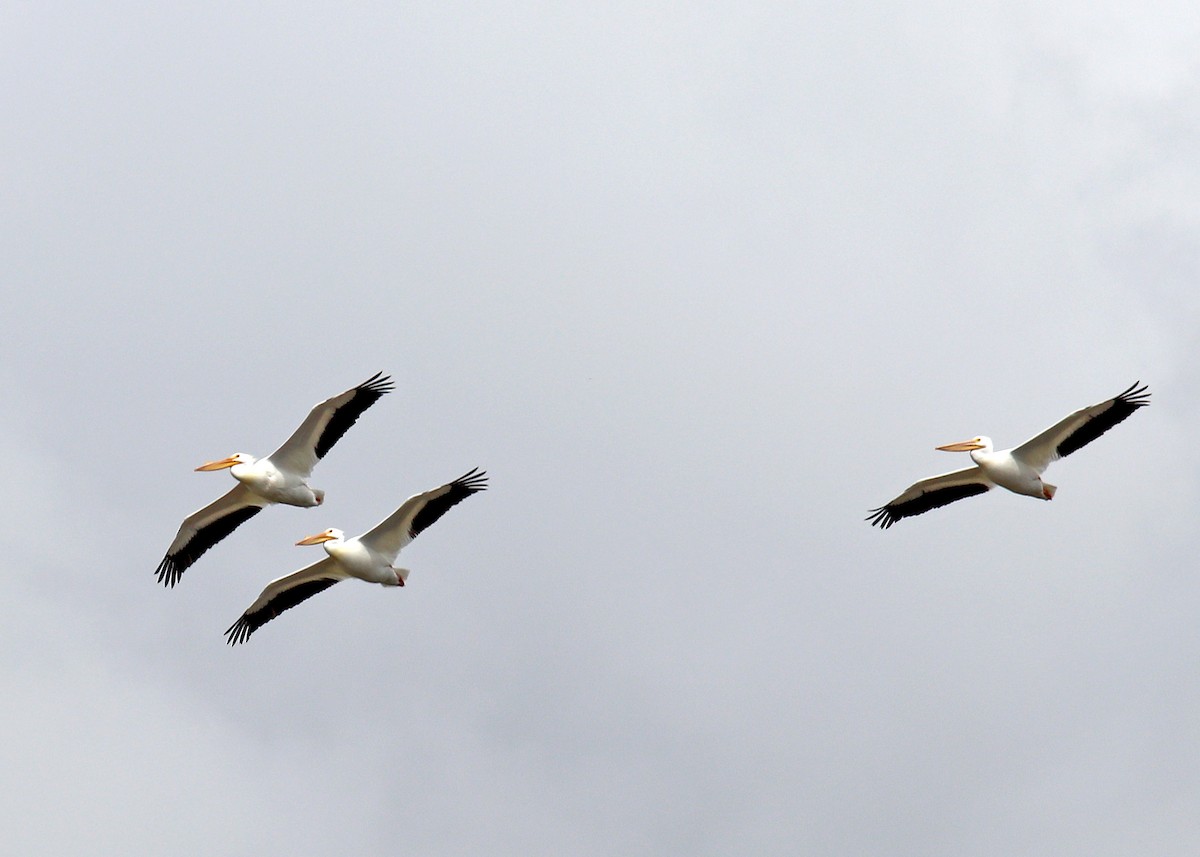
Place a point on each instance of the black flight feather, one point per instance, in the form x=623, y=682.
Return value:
x=365, y=394
x=1122, y=406
x=460, y=489
x=887, y=515
x=174, y=565
x=241, y=630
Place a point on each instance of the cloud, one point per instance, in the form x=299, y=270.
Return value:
x=697, y=287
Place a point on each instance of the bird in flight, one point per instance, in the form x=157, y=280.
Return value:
x=1018, y=469
x=368, y=557
x=281, y=477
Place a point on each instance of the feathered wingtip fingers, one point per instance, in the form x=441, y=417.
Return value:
x=169, y=571
x=882, y=517
x=472, y=481
x=378, y=384
x=1135, y=396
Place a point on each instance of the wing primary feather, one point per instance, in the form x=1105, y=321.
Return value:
x=173, y=565
x=251, y=621
x=457, y=491
x=885, y=516
x=1119, y=409
x=365, y=394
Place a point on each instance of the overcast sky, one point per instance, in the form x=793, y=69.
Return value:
x=698, y=284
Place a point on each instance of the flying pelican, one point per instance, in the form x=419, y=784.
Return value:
x=368, y=557
x=281, y=477
x=1019, y=469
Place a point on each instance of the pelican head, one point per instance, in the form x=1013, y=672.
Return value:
x=236, y=458
x=984, y=443
x=329, y=535
x=401, y=576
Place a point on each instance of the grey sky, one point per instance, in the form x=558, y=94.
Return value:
x=697, y=284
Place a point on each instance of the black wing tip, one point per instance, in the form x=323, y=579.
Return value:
x=169, y=571
x=377, y=385
x=472, y=481
x=174, y=565
x=927, y=501
x=1134, y=395
x=445, y=497
x=1119, y=409
x=345, y=415
x=239, y=631
x=252, y=620
x=883, y=517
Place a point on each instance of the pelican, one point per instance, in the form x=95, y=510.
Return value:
x=368, y=557
x=281, y=477
x=1018, y=469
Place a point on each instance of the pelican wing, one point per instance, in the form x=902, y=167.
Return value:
x=204, y=528
x=419, y=511
x=283, y=594
x=326, y=423
x=1080, y=428
x=931, y=493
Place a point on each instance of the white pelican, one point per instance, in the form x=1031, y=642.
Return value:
x=368, y=557
x=281, y=477
x=1019, y=469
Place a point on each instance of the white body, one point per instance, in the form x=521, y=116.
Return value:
x=265, y=479
x=357, y=559
x=1009, y=469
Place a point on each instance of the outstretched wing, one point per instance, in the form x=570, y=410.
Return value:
x=204, y=528
x=1080, y=428
x=931, y=493
x=419, y=511
x=283, y=594
x=326, y=423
